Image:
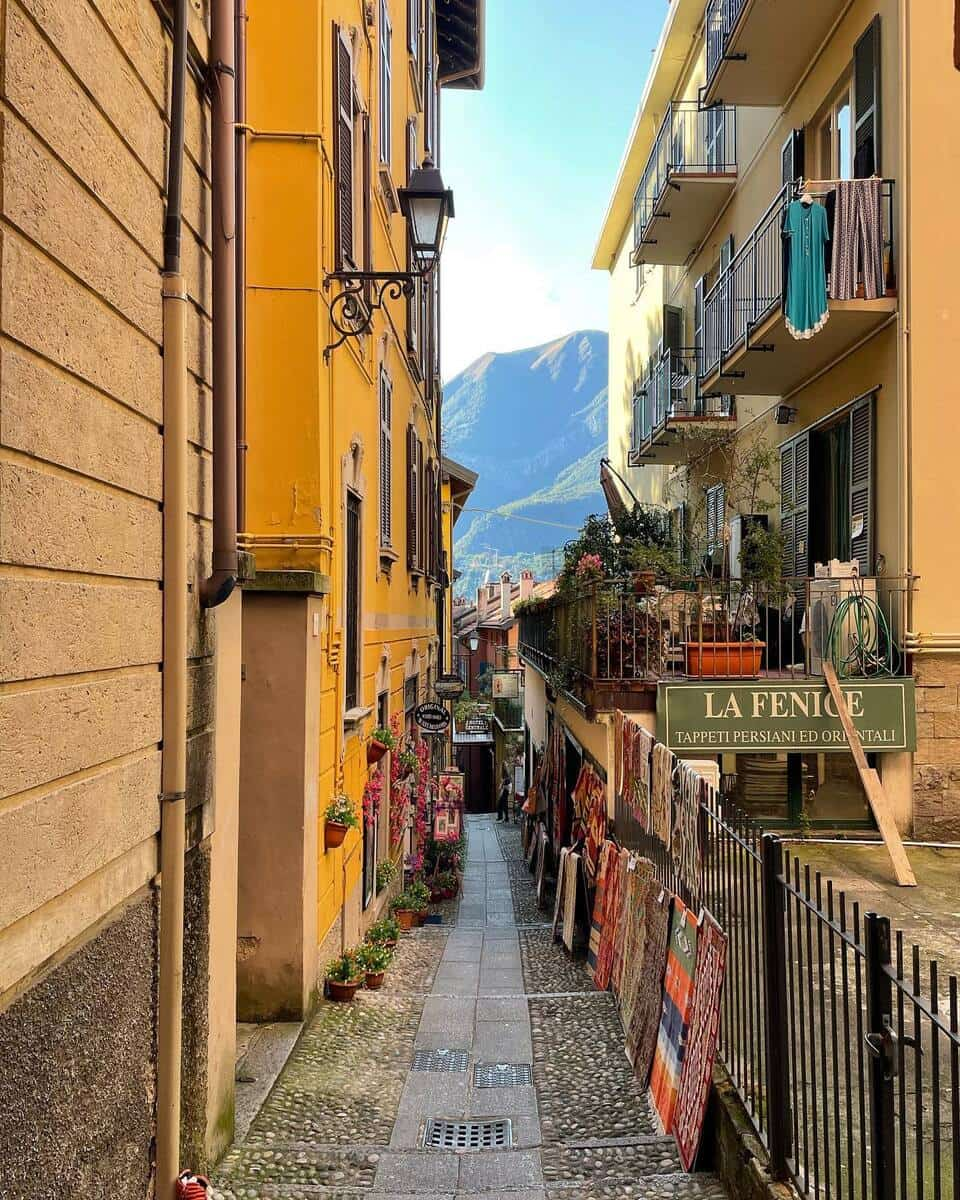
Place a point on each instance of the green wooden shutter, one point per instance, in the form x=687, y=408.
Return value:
x=716, y=512
x=866, y=102
x=386, y=460
x=861, y=484
x=672, y=328
x=791, y=157
x=413, y=496
x=794, y=505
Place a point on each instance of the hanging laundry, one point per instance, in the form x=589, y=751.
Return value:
x=857, y=240
x=661, y=794
x=675, y=1015
x=701, y=1049
x=806, y=310
x=644, y=1025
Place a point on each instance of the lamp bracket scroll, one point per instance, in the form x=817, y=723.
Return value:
x=360, y=295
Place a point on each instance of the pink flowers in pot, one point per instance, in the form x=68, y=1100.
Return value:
x=589, y=567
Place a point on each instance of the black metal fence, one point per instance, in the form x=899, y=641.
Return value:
x=721, y=18
x=843, y=1042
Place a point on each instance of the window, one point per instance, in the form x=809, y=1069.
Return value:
x=866, y=102
x=386, y=459
x=414, y=488
x=343, y=148
x=834, y=133
x=716, y=519
x=413, y=27
x=429, y=83
x=352, y=663
x=386, y=84
x=415, y=299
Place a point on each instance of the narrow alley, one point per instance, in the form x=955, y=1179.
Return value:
x=467, y=1007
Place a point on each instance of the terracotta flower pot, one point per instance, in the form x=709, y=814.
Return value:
x=644, y=582
x=449, y=893
x=724, y=660
x=437, y=894
x=375, y=751
x=374, y=980
x=333, y=834
x=390, y=943
x=339, y=992
x=422, y=915
x=405, y=918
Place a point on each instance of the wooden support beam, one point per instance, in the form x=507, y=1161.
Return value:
x=871, y=785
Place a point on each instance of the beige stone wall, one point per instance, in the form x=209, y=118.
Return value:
x=83, y=139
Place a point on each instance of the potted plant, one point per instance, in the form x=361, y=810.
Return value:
x=339, y=817
x=449, y=884
x=386, y=873
x=404, y=911
x=374, y=960
x=381, y=740
x=344, y=976
x=419, y=895
x=406, y=763
x=385, y=932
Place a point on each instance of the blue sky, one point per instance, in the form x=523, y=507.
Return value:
x=532, y=160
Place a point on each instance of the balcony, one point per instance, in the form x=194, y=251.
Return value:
x=745, y=345
x=610, y=646
x=509, y=714
x=691, y=171
x=757, y=50
x=667, y=402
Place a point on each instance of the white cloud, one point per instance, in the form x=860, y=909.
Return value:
x=497, y=298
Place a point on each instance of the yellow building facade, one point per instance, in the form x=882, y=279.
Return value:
x=343, y=473
x=748, y=107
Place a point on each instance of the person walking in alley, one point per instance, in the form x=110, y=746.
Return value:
x=503, y=799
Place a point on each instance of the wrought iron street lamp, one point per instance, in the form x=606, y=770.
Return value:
x=427, y=206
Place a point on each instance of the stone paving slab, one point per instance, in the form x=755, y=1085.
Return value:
x=503, y=1041
x=497, y=1170
x=418, y=1172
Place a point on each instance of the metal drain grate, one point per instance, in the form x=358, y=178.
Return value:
x=468, y=1135
x=441, y=1060
x=487, y=1075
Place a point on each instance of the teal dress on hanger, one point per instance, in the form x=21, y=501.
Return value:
x=806, y=309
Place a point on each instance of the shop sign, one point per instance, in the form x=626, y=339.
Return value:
x=432, y=717
x=477, y=723
x=783, y=715
x=506, y=685
x=449, y=687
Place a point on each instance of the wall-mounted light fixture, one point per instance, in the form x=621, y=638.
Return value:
x=427, y=206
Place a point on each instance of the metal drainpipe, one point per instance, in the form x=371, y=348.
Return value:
x=241, y=219
x=174, y=731
x=218, y=586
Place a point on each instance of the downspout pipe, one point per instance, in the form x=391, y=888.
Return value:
x=173, y=772
x=241, y=289
x=220, y=584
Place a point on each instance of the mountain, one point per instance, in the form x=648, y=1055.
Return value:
x=533, y=424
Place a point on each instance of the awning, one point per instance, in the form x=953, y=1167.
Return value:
x=460, y=39
x=616, y=504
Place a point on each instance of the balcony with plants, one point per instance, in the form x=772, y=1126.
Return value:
x=744, y=340
x=691, y=171
x=644, y=602
x=667, y=404
x=757, y=50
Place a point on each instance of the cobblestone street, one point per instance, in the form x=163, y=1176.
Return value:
x=348, y=1115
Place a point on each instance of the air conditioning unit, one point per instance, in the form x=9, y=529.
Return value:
x=826, y=596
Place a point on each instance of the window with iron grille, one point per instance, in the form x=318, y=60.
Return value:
x=343, y=147
x=386, y=459
x=386, y=84
x=352, y=647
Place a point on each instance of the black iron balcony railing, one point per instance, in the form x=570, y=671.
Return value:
x=751, y=288
x=669, y=391
x=721, y=19
x=629, y=633
x=691, y=141
x=509, y=714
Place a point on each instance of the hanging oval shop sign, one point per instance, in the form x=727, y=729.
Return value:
x=432, y=718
